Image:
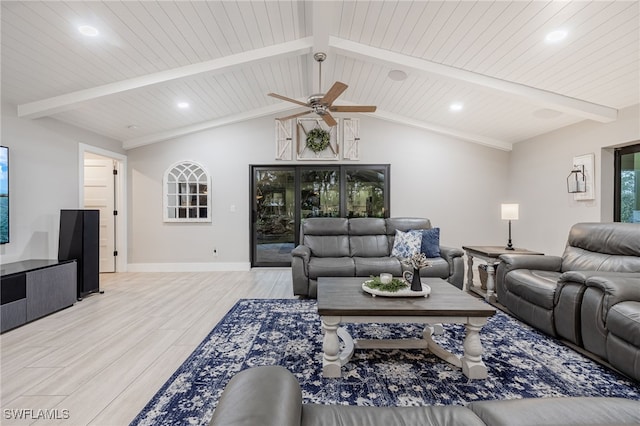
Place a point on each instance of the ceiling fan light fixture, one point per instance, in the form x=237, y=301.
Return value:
x=397, y=75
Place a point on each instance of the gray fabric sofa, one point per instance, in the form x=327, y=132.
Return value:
x=271, y=396
x=589, y=296
x=360, y=247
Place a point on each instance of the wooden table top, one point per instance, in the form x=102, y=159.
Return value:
x=495, y=251
x=343, y=296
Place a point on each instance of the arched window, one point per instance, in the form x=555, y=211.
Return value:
x=186, y=193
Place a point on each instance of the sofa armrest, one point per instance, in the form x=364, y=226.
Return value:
x=300, y=257
x=616, y=287
x=303, y=252
x=531, y=261
x=449, y=253
x=266, y=396
x=454, y=257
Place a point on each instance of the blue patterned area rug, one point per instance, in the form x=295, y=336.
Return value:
x=521, y=362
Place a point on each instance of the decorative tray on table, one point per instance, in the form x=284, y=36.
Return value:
x=397, y=288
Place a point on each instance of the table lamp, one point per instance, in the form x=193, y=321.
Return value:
x=509, y=212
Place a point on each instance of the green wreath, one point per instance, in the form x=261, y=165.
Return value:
x=318, y=140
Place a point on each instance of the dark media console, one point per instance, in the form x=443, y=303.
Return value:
x=32, y=289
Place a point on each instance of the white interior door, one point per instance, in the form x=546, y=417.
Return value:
x=99, y=193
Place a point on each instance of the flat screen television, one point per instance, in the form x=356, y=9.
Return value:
x=4, y=195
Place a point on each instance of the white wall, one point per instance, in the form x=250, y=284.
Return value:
x=538, y=172
x=43, y=178
x=458, y=185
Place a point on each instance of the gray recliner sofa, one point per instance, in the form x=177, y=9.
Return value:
x=361, y=247
x=589, y=296
x=271, y=396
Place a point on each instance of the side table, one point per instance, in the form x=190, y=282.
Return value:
x=488, y=254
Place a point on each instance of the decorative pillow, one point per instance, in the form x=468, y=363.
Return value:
x=406, y=244
x=430, y=242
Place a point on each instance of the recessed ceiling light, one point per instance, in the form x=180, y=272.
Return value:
x=88, y=30
x=456, y=106
x=183, y=105
x=397, y=75
x=556, y=36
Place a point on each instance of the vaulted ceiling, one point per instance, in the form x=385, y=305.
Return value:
x=223, y=57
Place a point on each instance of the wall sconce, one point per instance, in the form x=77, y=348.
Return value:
x=509, y=212
x=577, y=181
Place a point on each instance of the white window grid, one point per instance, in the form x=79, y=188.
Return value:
x=186, y=193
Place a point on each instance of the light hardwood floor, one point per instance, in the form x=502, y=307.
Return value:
x=100, y=361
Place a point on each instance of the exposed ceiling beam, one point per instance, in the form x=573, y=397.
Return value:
x=206, y=125
x=321, y=16
x=387, y=58
x=72, y=100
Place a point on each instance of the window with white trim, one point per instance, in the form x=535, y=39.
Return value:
x=186, y=193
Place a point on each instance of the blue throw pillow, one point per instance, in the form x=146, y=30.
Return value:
x=430, y=242
x=406, y=244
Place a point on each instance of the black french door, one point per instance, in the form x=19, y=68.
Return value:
x=283, y=196
x=626, y=206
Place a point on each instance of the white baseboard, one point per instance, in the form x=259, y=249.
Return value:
x=188, y=267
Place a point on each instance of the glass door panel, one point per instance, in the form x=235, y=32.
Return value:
x=627, y=200
x=283, y=196
x=366, y=191
x=273, y=216
x=319, y=193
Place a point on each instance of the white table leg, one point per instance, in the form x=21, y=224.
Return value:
x=472, y=365
x=330, y=347
x=332, y=357
x=469, y=273
x=491, y=283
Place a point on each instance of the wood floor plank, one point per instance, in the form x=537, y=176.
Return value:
x=106, y=356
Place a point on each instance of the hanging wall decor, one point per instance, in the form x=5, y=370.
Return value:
x=186, y=193
x=315, y=140
x=587, y=163
x=351, y=138
x=284, y=140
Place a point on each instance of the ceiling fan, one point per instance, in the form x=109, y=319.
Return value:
x=322, y=103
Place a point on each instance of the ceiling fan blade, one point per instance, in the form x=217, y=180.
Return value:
x=329, y=119
x=353, y=108
x=333, y=93
x=294, y=115
x=284, y=98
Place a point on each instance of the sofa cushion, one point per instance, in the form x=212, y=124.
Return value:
x=406, y=244
x=367, y=266
x=439, y=268
x=350, y=415
x=406, y=223
x=331, y=267
x=558, y=411
x=368, y=245
x=367, y=226
x=602, y=247
x=623, y=320
x=537, y=287
x=327, y=245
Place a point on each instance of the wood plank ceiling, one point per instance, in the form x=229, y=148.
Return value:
x=223, y=57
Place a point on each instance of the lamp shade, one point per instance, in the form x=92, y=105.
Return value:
x=510, y=211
